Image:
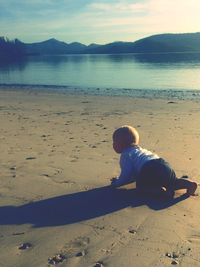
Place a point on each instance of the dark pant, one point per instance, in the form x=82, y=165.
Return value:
x=156, y=173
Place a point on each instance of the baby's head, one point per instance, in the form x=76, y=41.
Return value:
x=125, y=137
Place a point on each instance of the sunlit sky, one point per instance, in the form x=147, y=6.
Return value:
x=96, y=21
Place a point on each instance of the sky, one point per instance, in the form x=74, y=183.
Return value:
x=96, y=21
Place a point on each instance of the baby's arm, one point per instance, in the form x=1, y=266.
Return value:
x=125, y=176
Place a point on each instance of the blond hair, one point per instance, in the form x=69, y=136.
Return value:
x=126, y=134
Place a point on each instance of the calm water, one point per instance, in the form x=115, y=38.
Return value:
x=178, y=71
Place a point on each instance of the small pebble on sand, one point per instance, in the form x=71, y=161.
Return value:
x=175, y=255
x=24, y=246
x=98, y=264
x=56, y=259
x=80, y=254
x=13, y=168
x=174, y=262
x=185, y=176
x=132, y=231
x=29, y=158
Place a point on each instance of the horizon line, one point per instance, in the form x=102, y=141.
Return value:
x=117, y=41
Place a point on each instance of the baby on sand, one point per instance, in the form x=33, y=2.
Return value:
x=151, y=173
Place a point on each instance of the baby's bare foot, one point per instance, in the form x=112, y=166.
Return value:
x=191, y=190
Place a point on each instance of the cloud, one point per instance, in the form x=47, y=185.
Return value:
x=118, y=7
x=150, y=16
x=173, y=16
x=97, y=21
x=34, y=9
x=119, y=13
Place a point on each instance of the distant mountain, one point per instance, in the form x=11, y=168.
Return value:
x=53, y=46
x=162, y=43
x=112, y=48
x=91, y=46
x=188, y=42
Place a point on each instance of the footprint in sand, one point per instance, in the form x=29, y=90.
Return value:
x=13, y=171
x=77, y=247
x=176, y=256
x=51, y=172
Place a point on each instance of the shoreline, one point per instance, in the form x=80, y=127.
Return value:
x=56, y=164
x=183, y=94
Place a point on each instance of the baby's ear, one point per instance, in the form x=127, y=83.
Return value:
x=137, y=139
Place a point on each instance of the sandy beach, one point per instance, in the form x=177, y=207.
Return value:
x=56, y=205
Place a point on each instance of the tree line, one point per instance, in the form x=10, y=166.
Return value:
x=11, y=49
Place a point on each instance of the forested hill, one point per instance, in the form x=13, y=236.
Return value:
x=162, y=43
x=188, y=42
x=11, y=49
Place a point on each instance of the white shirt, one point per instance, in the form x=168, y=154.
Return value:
x=131, y=161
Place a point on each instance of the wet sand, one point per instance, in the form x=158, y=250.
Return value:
x=57, y=160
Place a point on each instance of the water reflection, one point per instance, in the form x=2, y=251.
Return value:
x=9, y=65
x=186, y=58
x=163, y=71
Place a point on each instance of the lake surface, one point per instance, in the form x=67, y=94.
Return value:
x=177, y=71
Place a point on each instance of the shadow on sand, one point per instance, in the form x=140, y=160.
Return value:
x=77, y=207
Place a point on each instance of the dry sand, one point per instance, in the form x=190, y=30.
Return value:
x=56, y=162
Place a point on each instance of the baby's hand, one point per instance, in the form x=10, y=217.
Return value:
x=113, y=181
